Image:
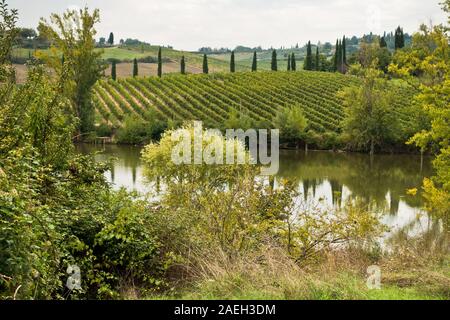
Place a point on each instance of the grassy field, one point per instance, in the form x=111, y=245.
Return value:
x=339, y=275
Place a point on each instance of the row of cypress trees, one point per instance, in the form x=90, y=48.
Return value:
x=311, y=62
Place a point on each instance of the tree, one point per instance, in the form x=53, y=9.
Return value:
x=399, y=38
x=159, y=62
x=135, y=68
x=232, y=63
x=293, y=63
x=205, y=64
x=292, y=124
x=428, y=63
x=102, y=42
x=371, y=54
x=383, y=43
x=255, y=62
x=344, y=52
x=317, y=60
x=289, y=67
x=111, y=39
x=183, y=65
x=309, y=59
x=274, y=64
x=336, y=57
x=113, y=70
x=369, y=119
x=73, y=35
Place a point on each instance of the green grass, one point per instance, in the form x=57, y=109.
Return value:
x=343, y=287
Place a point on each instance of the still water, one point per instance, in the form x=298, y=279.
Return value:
x=330, y=178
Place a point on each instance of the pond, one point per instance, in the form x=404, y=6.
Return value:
x=326, y=177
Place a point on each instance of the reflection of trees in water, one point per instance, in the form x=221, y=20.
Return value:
x=432, y=237
x=368, y=181
x=127, y=157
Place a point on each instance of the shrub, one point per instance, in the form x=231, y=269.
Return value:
x=136, y=130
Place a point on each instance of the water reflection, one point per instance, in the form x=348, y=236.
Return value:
x=333, y=178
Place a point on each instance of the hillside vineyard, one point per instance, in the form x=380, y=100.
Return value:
x=211, y=98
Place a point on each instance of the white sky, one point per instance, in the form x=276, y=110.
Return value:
x=191, y=24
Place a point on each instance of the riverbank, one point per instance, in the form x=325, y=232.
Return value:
x=337, y=276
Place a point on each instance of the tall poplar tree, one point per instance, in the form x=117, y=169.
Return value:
x=289, y=63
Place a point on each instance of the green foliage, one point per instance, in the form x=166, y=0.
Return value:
x=292, y=124
x=137, y=130
x=370, y=120
x=56, y=209
x=371, y=54
x=238, y=120
x=72, y=34
x=427, y=63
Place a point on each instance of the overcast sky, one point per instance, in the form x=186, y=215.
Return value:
x=191, y=24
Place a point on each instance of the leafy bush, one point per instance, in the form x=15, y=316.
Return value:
x=136, y=130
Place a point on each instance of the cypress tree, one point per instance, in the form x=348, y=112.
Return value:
x=205, y=64
x=289, y=63
x=255, y=62
x=274, y=64
x=317, y=64
x=183, y=65
x=232, y=64
x=159, y=63
x=309, y=60
x=336, y=57
x=344, y=52
x=339, y=56
x=293, y=63
x=113, y=71
x=399, y=38
x=111, y=39
x=135, y=68
x=383, y=43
